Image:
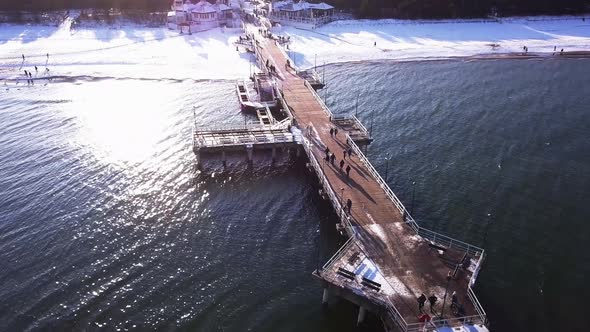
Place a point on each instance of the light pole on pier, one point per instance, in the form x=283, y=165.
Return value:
x=387, y=166
x=442, y=312
x=341, y=202
x=413, y=192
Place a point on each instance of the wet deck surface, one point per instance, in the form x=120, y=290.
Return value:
x=405, y=264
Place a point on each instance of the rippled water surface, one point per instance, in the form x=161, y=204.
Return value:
x=105, y=223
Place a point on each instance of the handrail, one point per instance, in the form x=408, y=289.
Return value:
x=338, y=253
x=344, y=218
x=319, y=100
x=426, y=233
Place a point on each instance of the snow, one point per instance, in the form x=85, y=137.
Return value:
x=134, y=51
x=354, y=40
x=127, y=51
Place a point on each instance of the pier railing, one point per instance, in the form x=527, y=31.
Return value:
x=337, y=203
x=435, y=237
x=423, y=232
x=319, y=100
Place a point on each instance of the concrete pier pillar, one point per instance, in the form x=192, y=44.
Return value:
x=223, y=157
x=362, y=314
x=325, y=297
x=249, y=151
x=274, y=153
x=198, y=156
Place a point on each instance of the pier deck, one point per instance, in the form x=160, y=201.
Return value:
x=388, y=248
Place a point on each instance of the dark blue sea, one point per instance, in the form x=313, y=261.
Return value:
x=106, y=223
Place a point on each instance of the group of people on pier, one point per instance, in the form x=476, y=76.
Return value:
x=456, y=308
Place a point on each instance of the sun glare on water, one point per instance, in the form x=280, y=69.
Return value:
x=121, y=121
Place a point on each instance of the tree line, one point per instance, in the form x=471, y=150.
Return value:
x=364, y=8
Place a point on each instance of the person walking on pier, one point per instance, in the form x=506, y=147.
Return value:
x=421, y=301
x=348, y=171
x=341, y=165
x=432, y=299
x=331, y=131
x=332, y=159
x=335, y=131
x=348, y=205
x=349, y=152
x=327, y=154
x=344, y=153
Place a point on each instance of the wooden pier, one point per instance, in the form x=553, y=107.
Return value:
x=389, y=260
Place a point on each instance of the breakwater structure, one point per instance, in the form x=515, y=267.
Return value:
x=389, y=261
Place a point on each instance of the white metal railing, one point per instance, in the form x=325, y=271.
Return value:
x=319, y=100
x=344, y=218
x=355, y=119
x=423, y=232
x=339, y=253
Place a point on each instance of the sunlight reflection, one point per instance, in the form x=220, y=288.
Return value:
x=121, y=121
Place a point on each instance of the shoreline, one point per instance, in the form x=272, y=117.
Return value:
x=475, y=57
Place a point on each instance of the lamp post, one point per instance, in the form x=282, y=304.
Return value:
x=341, y=202
x=442, y=312
x=387, y=166
x=413, y=192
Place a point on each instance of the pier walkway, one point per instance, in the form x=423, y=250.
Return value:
x=389, y=260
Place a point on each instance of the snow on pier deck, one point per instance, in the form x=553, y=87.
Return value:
x=390, y=260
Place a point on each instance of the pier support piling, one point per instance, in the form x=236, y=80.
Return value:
x=198, y=156
x=223, y=158
x=325, y=297
x=249, y=151
x=274, y=154
x=361, y=316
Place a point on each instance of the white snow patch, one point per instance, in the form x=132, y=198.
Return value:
x=128, y=52
x=355, y=40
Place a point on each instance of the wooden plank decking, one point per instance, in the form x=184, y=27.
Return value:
x=408, y=263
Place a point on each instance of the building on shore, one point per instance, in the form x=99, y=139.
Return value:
x=301, y=14
x=191, y=16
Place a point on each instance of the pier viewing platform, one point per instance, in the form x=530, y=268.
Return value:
x=389, y=261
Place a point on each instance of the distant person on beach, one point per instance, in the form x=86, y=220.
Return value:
x=36, y=69
x=26, y=73
x=561, y=53
x=375, y=44
x=23, y=57
x=554, y=48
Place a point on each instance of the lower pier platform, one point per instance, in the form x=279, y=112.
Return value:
x=247, y=138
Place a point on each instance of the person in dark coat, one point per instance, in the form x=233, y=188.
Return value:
x=332, y=158
x=344, y=153
x=432, y=299
x=331, y=131
x=421, y=301
x=349, y=205
x=348, y=171
x=341, y=164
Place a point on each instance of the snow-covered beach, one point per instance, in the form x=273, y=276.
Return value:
x=360, y=40
x=157, y=53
